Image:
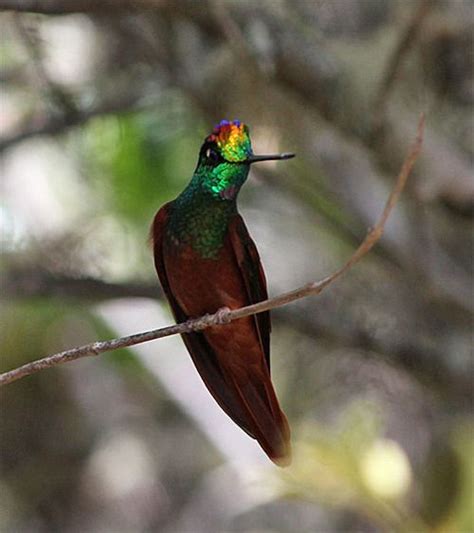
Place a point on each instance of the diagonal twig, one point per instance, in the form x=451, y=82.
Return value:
x=392, y=71
x=57, y=96
x=198, y=324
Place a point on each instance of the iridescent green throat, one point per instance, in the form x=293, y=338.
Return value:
x=200, y=215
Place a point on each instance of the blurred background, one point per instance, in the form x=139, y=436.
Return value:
x=104, y=106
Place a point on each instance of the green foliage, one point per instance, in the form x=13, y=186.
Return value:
x=332, y=468
x=448, y=483
x=355, y=467
x=139, y=161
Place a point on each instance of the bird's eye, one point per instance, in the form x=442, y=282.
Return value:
x=212, y=155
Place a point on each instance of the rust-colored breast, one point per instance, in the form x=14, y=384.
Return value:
x=203, y=286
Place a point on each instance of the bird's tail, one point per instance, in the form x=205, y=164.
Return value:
x=265, y=421
x=247, y=397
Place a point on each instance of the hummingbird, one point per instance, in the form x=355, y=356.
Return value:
x=207, y=262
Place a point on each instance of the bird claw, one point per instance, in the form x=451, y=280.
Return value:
x=222, y=316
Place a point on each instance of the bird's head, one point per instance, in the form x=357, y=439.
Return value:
x=225, y=158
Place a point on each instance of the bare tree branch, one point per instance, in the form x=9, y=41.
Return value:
x=57, y=124
x=59, y=7
x=32, y=44
x=224, y=317
x=406, y=41
x=37, y=282
x=232, y=32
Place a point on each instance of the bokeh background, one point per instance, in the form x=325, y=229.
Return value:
x=103, y=109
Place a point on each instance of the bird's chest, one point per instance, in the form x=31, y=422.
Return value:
x=200, y=223
x=202, y=284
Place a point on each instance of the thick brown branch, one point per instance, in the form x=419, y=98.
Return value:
x=201, y=323
x=22, y=283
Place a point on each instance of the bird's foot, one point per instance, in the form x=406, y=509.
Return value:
x=222, y=316
x=219, y=318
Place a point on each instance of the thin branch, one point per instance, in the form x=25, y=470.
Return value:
x=224, y=317
x=57, y=124
x=392, y=72
x=56, y=95
x=232, y=32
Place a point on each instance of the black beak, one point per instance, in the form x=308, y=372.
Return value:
x=276, y=157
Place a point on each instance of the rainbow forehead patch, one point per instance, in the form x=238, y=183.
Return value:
x=233, y=140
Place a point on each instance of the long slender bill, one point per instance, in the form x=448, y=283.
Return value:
x=273, y=157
